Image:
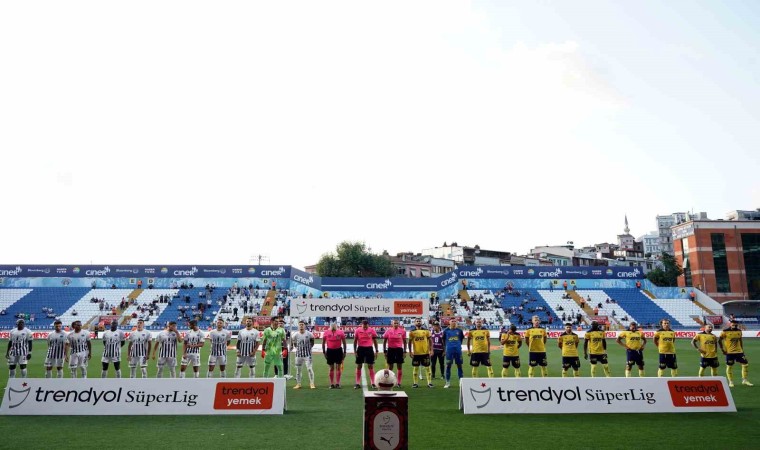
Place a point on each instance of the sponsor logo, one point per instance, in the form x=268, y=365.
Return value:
x=60, y=270
x=520, y=272
x=273, y=273
x=244, y=396
x=134, y=271
x=98, y=273
x=632, y=274
x=93, y=396
x=75, y=270
x=302, y=280
x=251, y=270
x=185, y=273
x=164, y=270
x=11, y=272
x=531, y=272
x=697, y=393
x=608, y=271
x=407, y=307
x=450, y=280
x=384, y=285
x=550, y=274
x=481, y=397
x=471, y=273
x=219, y=271
x=150, y=270
x=16, y=397
x=45, y=270
x=301, y=307
x=237, y=271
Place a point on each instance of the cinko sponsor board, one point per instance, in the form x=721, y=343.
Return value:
x=594, y=395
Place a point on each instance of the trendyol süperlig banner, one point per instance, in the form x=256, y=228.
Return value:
x=594, y=395
x=359, y=307
x=143, y=396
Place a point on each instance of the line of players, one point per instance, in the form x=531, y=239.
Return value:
x=425, y=346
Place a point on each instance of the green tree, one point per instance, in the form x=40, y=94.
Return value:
x=668, y=274
x=354, y=259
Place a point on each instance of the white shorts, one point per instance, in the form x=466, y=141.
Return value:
x=141, y=361
x=78, y=360
x=214, y=360
x=164, y=362
x=194, y=358
x=17, y=359
x=110, y=359
x=303, y=359
x=53, y=362
x=246, y=361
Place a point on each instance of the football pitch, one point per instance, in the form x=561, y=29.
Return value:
x=332, y=419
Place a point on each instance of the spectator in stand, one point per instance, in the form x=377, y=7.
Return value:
x=564, y=285
x=693, y=295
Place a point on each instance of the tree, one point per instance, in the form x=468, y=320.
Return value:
x=668, y=274
x=354, y=259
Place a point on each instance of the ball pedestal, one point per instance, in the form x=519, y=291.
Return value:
x=386, y=420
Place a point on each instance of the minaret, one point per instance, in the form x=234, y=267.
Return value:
x=626, y=230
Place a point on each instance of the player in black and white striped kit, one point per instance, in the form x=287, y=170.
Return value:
x=113, y=340
x=220, y=339
x=166, y=345
x=247, y=343
x=139, y=350
x=303, y=341
x=80, y=348
x=19, y=348
x=191, y=350
x=56, y=353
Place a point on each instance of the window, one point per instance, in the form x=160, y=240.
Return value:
x=719, y=260
x=413, y=273
x=686, y=265
x=751, y=244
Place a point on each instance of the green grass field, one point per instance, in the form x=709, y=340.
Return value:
x=332, y=419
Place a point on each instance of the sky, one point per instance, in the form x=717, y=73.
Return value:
x=188, y=132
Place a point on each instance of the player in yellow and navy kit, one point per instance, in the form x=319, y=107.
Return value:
x=480, y=338
x=568, y=342
x=634, y=348
x=665, y=340
x=595, y=344
x=421, y=347
x=535, y=338
x=731, y=345
x=706, y=344
x=512, y=341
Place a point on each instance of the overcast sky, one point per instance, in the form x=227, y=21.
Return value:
x=148, y=132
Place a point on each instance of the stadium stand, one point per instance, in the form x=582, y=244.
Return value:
x=56, y=299
x=568, y=306
x=686, y=313
x=87, y=310
x=639, y=306
x=141, y=304
x=533, y=304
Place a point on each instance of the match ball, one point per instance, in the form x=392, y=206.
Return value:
x=385, y=380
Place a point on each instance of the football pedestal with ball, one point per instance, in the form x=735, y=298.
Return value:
x=386, y=419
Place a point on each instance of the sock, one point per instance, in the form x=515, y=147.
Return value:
x=181, y=374
x=474, y=372
x=144, y=371
x=564, y=374
x=173, y=372
x=298, y=374
x=210, y=373
x=60, y=373
x=197, y=374
x=222, y=373
x=628, y=373
x=673, y=372
x=103, y=374
x=745, y=371
x=701, y=371
x=531, y=369
x=267, y=370
x=447, y=375
x=544, y=372
x=714, y=371
x=489, y=370
x=73, y=371
x=132, y=372
x=371, y=375
x=48, y=374
x=332, y=375
x=460, y=371
x=593, y=370
x=84, y=372
x=12, y=373
x=428, y=374
x=576, y=373
x=237, y=372
x=415, y=371
x=311, y=373
x=660, y=372
x=641, y=372
x=400, y=373
x=504, y=373
x=252, y=371
x=607, y=372
x=23, y=372
x=358, y=375
x=160, y=372
x=518, y=374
